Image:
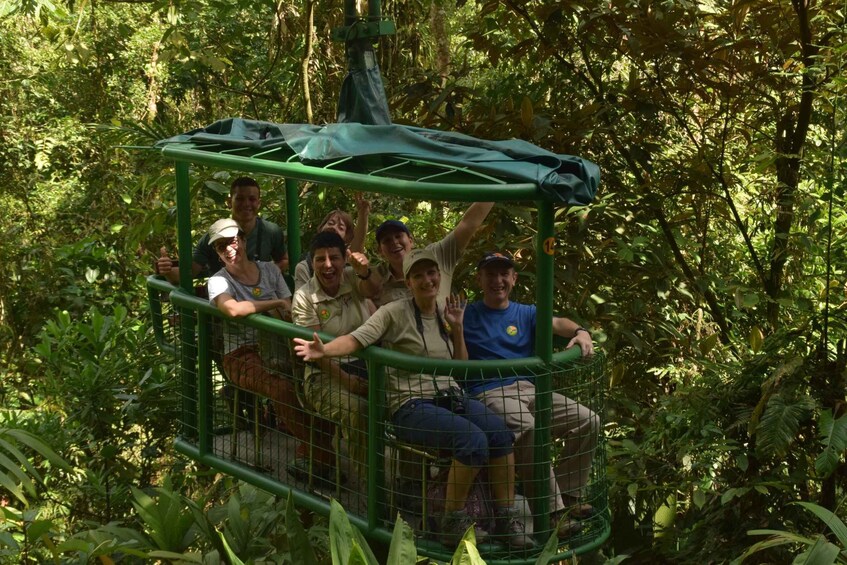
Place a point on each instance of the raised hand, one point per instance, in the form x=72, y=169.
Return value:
x=363, y=205
x=359, y=262
x=454, y=310
x=164, y=263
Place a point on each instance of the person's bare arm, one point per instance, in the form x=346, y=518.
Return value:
x=316, y=349
x=233, y=308
x=354, y=384
x=470, y=222
x=363, y=208
x=567, y=328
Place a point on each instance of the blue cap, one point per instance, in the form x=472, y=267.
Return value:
x=495, y=257
x=389, y=225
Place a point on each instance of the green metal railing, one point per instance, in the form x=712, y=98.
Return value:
x=191, y=319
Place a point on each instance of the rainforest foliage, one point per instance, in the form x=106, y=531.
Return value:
x=711, y=267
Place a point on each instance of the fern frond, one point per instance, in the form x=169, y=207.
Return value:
x=779, y=424
x=833, y=434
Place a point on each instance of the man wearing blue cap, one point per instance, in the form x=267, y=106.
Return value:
x=497, y=328
x=394, y=241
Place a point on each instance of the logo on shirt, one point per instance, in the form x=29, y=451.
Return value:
x=257, y=292
x=512, y=330
x=324, y=314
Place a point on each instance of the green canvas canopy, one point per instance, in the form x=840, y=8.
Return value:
x=563, y=179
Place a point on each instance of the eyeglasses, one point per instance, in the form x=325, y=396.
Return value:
x=222, y=244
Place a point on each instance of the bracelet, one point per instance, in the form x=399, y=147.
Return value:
x=581, y=329
x=365, y=277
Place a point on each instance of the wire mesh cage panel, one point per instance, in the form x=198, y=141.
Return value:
x=254, y=410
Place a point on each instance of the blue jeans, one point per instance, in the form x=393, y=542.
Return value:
x=472, y=437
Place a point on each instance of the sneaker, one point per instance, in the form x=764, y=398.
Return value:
x=565, y=527
x=454, y=525
x=510, y=528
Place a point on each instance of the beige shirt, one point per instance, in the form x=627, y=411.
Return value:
x=447, y=253
x=395, y=325
x=336, y=315
x=301, y=274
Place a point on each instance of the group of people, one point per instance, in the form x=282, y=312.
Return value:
x=403, y=304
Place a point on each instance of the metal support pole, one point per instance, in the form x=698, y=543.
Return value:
x=187, y=336
x=376, y=443
x=292, y=214
x=544, y=247
x=204, y=384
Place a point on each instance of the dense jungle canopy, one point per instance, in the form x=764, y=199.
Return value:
x=710, y=267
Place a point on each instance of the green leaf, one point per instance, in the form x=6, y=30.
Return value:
x=343, y=537
x=832, y=521
x=779, y=424
x=233, y=558
x=550, y=549
x=756, y=339
x=177, y=557
x=833, y=434
x=734, y=492
x=402, y=549
x=38, y=528
x=708, y=343
x=699, y=498
x=820, y=553
x=298, y=539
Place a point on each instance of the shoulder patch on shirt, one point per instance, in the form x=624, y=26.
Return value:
x=324, y=314
x=512, y=330
x=257, y=292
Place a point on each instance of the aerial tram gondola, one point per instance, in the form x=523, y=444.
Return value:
x=234, y=434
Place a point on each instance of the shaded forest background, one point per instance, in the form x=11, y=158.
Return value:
x=711, y=266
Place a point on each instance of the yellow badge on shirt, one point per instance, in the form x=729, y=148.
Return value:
x=512, y=330
x=257, y=292
x=324, y=314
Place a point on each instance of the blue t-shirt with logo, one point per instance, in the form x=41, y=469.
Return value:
x=498, y=334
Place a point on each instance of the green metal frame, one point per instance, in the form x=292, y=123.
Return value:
x=408, y=178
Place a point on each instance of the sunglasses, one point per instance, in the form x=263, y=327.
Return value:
x=222, y=244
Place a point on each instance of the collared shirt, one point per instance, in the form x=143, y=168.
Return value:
x=393, y=288
x=336, y=315
x=395, y=325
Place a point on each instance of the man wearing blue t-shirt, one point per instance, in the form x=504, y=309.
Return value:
x=496, y=328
